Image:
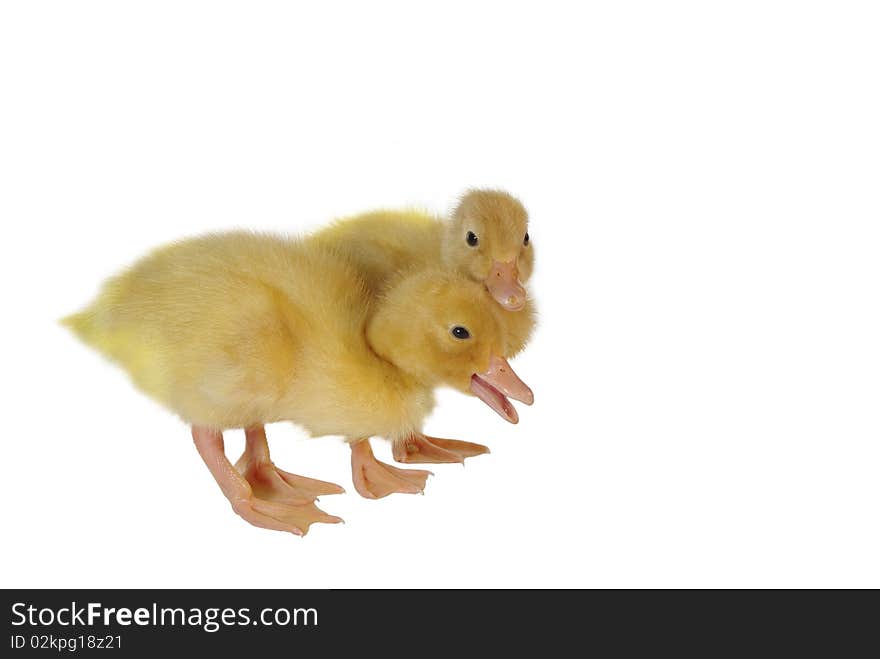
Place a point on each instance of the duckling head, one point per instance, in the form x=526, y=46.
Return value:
x=443, y=329
x=488, y=241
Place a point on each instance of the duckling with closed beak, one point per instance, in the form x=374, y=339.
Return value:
x=486, y=239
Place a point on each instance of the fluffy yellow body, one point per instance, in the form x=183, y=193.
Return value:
x=239, y=329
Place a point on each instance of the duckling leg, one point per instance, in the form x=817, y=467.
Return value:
x=421, y=448
x=374, y=479
x=295, y=519
x=270, y=483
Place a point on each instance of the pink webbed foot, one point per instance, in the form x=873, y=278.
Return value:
x=418, y=448
x=285, y=512
x=374, y=479
x=294, y=519
x=271, y=483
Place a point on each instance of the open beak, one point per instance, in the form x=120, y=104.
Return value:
x=496, y=384
x=503, y=284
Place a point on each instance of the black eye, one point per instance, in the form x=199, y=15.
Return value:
x=460, y=332
x=472, y=239
x=526, y=239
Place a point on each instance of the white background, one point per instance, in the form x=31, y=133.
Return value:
x=703, y=185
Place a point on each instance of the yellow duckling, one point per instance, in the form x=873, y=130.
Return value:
x=237, y=330
x=486, y=239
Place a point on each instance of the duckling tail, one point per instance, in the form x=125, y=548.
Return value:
x=78, y=323
x=121, y=346
x=83, y=325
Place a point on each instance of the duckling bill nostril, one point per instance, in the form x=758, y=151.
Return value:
x=504, y=285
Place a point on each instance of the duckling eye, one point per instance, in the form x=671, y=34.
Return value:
x=472, y=239
x=526, y=239
x=460, y=332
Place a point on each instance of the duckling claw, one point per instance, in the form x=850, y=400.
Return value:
x=418, y=448
x=375, y=480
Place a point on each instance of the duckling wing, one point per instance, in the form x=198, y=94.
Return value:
x=383, y=243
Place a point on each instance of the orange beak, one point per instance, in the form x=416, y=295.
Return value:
x=503, y=283
x=496, y=384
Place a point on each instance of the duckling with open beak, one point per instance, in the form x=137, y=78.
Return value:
x=493, y=387
x=234, y=331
